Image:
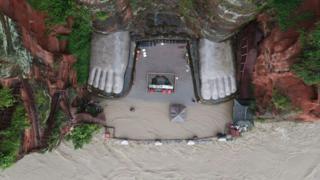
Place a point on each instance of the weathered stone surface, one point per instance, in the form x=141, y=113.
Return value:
x=34, y=32
x=109, y=59
x=223, y=18
x=217, y=72
x=215, y=20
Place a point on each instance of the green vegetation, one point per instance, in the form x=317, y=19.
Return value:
x=55, y=138
x=185, y=7
x=10, y=138
x=280, y=102
x=308, y=66
x=86, y=107
x=7, y=98
x=79, y=43
x=253, y=106
x=260, y=119
x=80, y=37
x=82, y=134
x=42, y=100
x=57, y=10
x=102, y=15
x=136, y=4
x=285, y=12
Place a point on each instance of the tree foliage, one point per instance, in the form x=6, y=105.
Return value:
x=308, y=66
x=80, y=43
x=82, y=134
x=79, y=40
x=57, y=10
x=10, y=138
x=7, y=99
x=185, y=7
x=285, y=12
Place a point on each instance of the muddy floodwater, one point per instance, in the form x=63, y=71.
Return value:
x=272, y=151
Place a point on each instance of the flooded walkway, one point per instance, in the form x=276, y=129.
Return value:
x=141, y=115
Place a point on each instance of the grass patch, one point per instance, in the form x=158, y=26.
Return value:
x=10, y=138
x=82, y=134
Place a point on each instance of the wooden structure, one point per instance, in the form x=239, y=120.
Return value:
x=247, y=52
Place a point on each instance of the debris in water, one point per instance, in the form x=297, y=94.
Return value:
x=222, y=137
x=158, y=143
x=132, y=109
x=191, y=143
x=124, y=142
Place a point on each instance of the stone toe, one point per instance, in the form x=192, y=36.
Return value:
x=97, y=78
x=103, y=80
x=92, y=75
x=109, y=82
x=118, y=84
x=222, y=93
x=227, y=85
x=206, y=91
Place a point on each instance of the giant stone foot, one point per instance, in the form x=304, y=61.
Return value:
x=216, y=70
x=109, y=60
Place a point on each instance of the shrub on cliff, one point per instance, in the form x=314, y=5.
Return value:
x=285, y=12
x=79, y=39
x=55, y=136
x=57, y=10
x=42, y=102
x=7, y=98
x=80, y=43
x=280, y=102
x=308, y=66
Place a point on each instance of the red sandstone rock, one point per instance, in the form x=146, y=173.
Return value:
x=33, y=25
x=123, y=6
x=9, y=82
x=35, y=49
x=49, y=49
x=277, y=53
x=73, y=78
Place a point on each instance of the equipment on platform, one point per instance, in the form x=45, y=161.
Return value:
x=161, y=83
